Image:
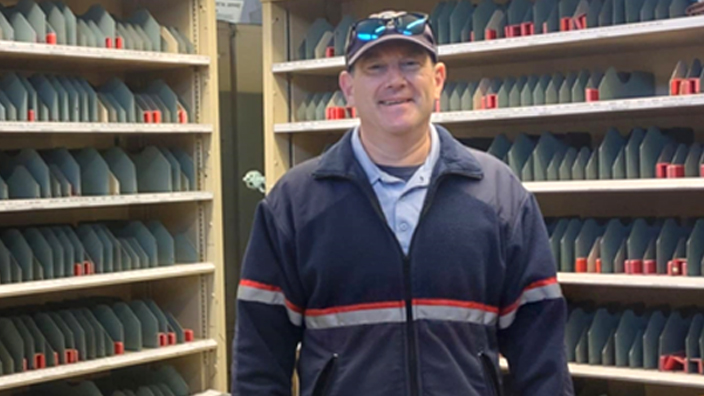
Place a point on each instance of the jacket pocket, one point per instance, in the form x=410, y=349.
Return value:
x=322, y=384
x=491, y=375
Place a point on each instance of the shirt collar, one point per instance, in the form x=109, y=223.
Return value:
x=374, y=174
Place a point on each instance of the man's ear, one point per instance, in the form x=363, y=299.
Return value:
x=440, y=76
x=345, y=81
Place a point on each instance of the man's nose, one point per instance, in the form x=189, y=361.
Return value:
x=395, y=77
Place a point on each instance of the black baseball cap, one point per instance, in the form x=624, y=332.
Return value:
x=391, y=26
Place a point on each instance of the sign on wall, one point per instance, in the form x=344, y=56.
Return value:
x=229, y=10
x=239, y=11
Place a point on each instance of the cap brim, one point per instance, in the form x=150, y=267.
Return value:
x=392, y=37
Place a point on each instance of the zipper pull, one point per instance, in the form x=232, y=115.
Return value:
x=490, y=373
x=325, y=377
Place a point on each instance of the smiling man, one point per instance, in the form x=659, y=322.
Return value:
x=402, y=262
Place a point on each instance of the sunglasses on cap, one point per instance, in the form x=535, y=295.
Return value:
x=370, y=29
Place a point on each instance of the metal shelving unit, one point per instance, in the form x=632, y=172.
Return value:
x=632, y=281
x=51, y=204
x=107, y=364
x=651, y=377
x=193, y=293
x=51, y=128
x=612, y=38
x=628, y=47
x=616, y=186
x=104, y=280
x=65, y=56
x=605, y=110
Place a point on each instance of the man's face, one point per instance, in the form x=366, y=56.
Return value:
x=394, y=87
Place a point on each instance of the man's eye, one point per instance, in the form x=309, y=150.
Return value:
x=375, y=68
x=411, y=63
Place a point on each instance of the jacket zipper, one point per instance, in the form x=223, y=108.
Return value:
x=490, y=375
x=410, y=329
x=322, y=385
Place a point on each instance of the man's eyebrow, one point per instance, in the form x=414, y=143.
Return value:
x=414, y=54
x=371, y=58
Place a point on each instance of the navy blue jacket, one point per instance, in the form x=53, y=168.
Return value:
x=324, y=269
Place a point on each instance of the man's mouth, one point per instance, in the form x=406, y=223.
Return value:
x=394, y=102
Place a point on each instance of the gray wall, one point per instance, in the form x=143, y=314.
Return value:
x=242, y=143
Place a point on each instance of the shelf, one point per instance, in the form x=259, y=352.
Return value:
x=35, y=56
x=669, y=32
x=632, y=281
x=637, y=375
x=317, y=126
x=614, y=186
x=106, y=364
x=311, y=66
x=101, y=128
x=114, y=278
x=193, y=77
x=22, y=205
x=612, y=109
x=654, y=46
x=642, y=376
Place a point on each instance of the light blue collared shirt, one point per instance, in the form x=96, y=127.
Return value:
x=401, y=201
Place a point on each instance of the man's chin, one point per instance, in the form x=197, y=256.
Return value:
x=400, y=128
x=396, y=125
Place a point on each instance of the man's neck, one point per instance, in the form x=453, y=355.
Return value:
x=406, y=150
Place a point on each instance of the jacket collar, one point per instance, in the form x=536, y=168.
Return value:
x=340, y=161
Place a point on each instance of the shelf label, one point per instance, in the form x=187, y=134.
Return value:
x=458, y=49
x=96, y=201
x=553, y=110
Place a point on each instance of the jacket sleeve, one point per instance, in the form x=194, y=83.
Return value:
x=533, y=314
x=269, y=313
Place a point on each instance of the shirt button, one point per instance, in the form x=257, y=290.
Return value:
x=403, y=227
x=422, y=178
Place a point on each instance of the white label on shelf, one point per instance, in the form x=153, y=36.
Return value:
x=105, y=364
x=74, y=283
x=567, y=109
x=100, y=53
x=572, y=36
x=517, y=43
x=91, y=127
x=98, y=201
x=322, y=63
x=211, y=393
x=229, y=10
